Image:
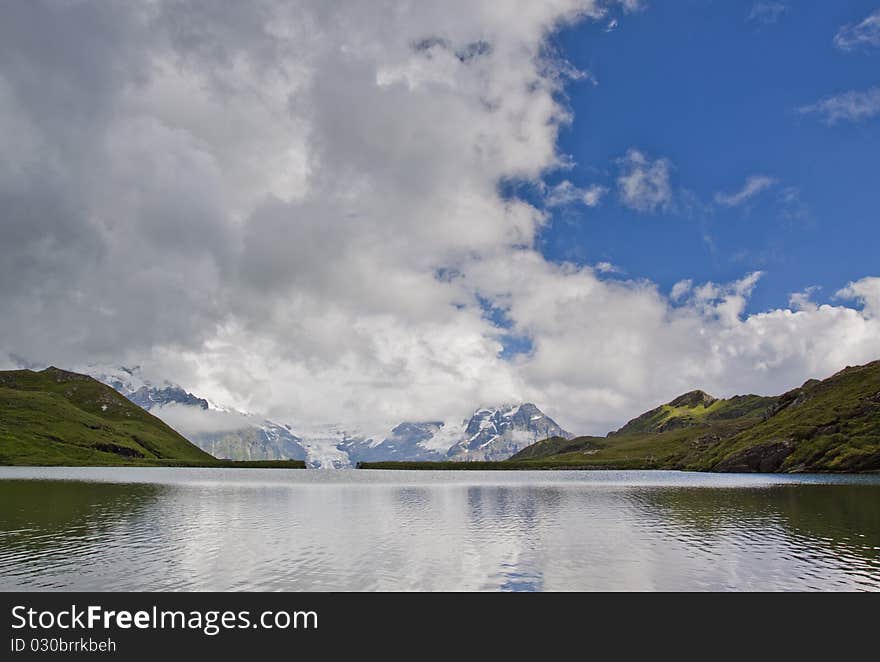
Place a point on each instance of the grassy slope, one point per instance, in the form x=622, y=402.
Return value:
x=56, y=417
x=695, y=409
x=558, y=446
x=832, y=425
x=671, y=436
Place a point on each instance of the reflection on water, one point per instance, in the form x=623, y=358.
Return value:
x=167, y=529
x=818, y=536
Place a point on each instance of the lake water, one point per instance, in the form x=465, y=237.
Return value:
x=274, y=529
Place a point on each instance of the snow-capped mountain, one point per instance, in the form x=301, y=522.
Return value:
x=498, y=433
x=491, y=433
x=144, y=393
x=125, y=380
x=264, y=441
x=225, y=434
x=407, y=442
x=149, y=397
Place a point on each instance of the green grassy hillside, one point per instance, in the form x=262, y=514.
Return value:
x=696, y=409
x=558, y=446
x=830, y=425
x=54, y=417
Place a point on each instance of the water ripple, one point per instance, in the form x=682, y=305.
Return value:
x=157, y=529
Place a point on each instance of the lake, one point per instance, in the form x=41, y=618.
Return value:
x=254, y=529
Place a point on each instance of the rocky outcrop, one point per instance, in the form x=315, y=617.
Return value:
x=693, y=399
x=766, y=458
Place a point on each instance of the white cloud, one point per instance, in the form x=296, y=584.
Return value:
x=565, y=193
x=285, y=177
x=293, y=208
x=681, y=289
x=643, y=184
x=867, y=292
x=752, y=187
x=606, y=350
x=767, y=12
x=804, y=300
x=853, y=106
x=193, y=421
x=607, y=268
x=855, y=35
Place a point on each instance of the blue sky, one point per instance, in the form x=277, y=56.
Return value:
x=716, y=90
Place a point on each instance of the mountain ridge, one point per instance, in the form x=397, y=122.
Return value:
x=60, y=417
x=490, y=433
x=823, y=425
x=499, y=433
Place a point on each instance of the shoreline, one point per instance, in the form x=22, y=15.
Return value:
x=506, y=465
x=499, y=465
x=181, y=464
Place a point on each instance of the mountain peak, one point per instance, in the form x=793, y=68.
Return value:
x=60, y=375
x=496, y=433
x=693, y=399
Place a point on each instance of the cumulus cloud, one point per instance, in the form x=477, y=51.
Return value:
x=803, y=300
x=865, y=33
x=852, y=106
x=260, y=198
x=293, y=208
x=867, y=292
x=565, y=193
x=752, y=187
x=605, y=350
x=644, y=184
x=681, y=289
